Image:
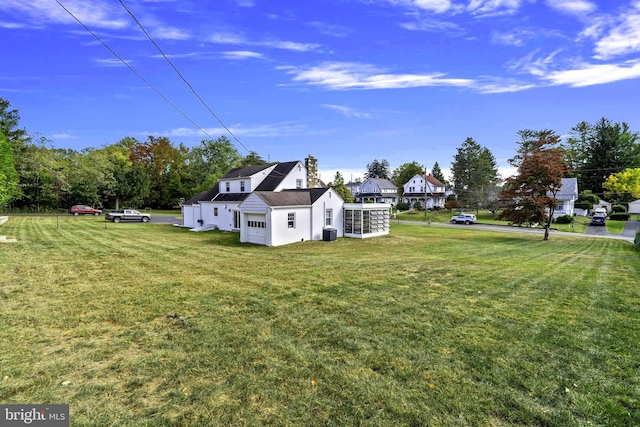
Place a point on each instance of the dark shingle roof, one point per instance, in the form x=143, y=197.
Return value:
x=276, y=176
x=246, y=171
x=297, y=197
x=204, y=196
x=231, y=197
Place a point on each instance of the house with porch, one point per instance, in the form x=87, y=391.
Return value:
x=377, y=190
x=277, y=204
x=426, y=190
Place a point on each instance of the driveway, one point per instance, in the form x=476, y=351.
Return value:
x=165, y=219
x=630, y=228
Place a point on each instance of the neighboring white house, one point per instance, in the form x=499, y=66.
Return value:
x=566, y=197
x=634, y=207
x=603, y=205
x=377, y=190
x=275, y=218
x=428, y=191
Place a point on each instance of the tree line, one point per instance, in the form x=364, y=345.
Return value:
x=150, y=173
x=34, y=176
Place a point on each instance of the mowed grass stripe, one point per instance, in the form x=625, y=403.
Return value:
x=423, y=327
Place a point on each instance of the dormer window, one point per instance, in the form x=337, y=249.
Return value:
x=228, y=186
x=242, y=186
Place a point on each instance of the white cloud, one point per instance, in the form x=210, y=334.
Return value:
x=63, y=135
x=623, y=39
x=494, y=7
x=111, y=62
x=348, y=111
x=242, y=54
x=347, y=75
x=595, y=74
x=433, y=25
x=169, y=33
x=239, y=130
x=95, y=13
x=573, y=7
x=229, y=38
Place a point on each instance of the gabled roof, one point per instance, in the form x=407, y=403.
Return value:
x=276, y=176
x=298, y=197
x=204, y=196
x=382, y=183
x=246, y=171
x=569, y=189
x=435, y=181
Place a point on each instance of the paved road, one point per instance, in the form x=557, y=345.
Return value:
x=525, y=230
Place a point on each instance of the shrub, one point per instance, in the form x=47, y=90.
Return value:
x=618, y=208
x=620, y=216
x=636, y=242
x=451, y=204
x=564, y=219
x=583, y=205
x=417, y=206
x=403, y=206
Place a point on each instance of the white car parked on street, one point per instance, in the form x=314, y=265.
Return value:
x=464, y=219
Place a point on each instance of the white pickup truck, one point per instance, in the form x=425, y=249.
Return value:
x=128, y=215
x=464, y=219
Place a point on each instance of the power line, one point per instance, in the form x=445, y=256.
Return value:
x=180, y=74
x=134, y=71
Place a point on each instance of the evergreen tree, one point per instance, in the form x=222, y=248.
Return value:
x=340, y=187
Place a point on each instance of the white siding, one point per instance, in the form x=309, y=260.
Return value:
x=329, y=200
x=224, y=220
x=281, y=234
x=191, y=215
x=634, y=207
x=299, y=171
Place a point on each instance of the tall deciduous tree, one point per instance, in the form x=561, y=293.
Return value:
x=530, y=196
x=212, y=159
x=475, y=172
x=378, y=169
x=624, y=184
x=252, y=159
x=403, y=173
x=339, y=186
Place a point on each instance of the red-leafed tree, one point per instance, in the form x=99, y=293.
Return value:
x=530, y=196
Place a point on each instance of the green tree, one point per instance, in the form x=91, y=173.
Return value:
x=625, y=185
x=475, y=172
x=210, y=160
x=604, y=148
x=378, y=169
x=252, y=159
x=437, y=173
x=339, y=186
x=8, y=174
x=530, y=196
x=403, y=173
x=16, y=136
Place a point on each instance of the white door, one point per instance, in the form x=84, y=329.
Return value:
x=256, y=228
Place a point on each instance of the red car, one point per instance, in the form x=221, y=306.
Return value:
x=84, y=210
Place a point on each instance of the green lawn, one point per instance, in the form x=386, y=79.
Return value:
x=428, y=326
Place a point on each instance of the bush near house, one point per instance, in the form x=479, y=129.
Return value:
x=451, y=204
x=618, y=209
x=403, y=206
x=620, y=216
x=636, y=242
x=564, y=219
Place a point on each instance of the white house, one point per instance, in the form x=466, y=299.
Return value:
x=566, y=197
x=377, y=190
x=427, y=190
x=634, y=207
x=603, y=205
x=219, y=207
x=280, y=203
x=275, y=218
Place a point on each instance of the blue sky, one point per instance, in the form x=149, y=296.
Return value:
x=344, y=80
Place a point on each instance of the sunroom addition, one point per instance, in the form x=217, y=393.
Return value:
x=362, y=220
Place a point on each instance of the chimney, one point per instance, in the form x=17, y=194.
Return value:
x=312, y=171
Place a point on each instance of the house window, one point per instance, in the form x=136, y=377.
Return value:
x=242, y=186
x=215, y=211
x=298, y=183
x=228, y=186
x=291, y=220
x=328, y=217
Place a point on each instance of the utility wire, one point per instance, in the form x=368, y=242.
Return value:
x=133, y=70
x=180, y=74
